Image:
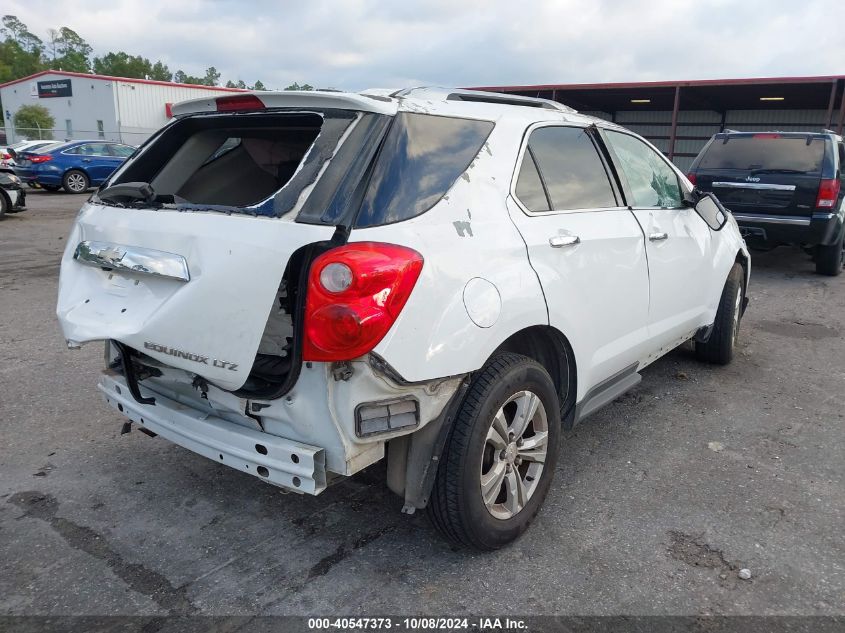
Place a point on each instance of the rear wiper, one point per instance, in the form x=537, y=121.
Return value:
x=129, y=191
x=776, y=171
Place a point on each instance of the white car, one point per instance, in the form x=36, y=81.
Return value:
x=298, y=285
x=7, y=154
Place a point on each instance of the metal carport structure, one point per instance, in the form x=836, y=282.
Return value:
x=680, y=116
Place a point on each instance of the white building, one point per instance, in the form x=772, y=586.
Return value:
x=88, y=106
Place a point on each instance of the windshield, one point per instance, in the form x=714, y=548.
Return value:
x=765, y=152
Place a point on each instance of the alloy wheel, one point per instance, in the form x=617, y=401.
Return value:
x=76, y=182
x=514, y=454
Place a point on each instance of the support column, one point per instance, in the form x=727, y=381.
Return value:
x=827, y=119
x=841, y=111
x=672, y=134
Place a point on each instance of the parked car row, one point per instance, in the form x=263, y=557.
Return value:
x=298, y=285
x=74, y=166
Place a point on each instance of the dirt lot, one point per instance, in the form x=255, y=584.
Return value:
x=658, y=500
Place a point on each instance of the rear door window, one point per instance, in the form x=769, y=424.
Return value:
x=765, y=151
x=529, y=186
x=420, y=159
x=651, y=181
x=569, y=166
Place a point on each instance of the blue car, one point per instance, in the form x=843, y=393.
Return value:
x=75, y=166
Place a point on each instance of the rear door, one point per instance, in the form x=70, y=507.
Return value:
x=678, y=242
x=95, y=159
x=764, y=174
x=586, y=248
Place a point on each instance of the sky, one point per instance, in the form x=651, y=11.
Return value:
x=357, y=44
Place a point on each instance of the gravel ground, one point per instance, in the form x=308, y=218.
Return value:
x=658, y=501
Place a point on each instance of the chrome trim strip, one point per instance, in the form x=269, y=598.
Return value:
x=135, y=259
x=772, y=219
x=754, y=185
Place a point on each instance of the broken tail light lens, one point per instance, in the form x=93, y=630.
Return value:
x=351, y=316
x=239, y=103
x=40, y=158
x=828, y=193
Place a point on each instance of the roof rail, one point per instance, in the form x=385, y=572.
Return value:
x=479, y=96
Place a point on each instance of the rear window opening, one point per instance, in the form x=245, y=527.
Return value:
x=228, y=162
x=766, y=152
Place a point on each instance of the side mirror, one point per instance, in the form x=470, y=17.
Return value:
x=711, y=211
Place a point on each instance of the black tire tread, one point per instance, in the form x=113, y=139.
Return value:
x=719, y=347
x=829, y=258
x=445, y=504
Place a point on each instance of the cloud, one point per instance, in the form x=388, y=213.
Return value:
x=362, y=43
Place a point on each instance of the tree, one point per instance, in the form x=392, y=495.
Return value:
x=258, y=85
x=121, y=64
x=296, y=86
x=74, y=52
x=18, y=32
x=160, y=72
x=20, y=52
x=34, y=122
x=212, y=77
x=180, y=77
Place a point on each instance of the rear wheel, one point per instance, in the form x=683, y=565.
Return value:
x=500, y=457
x=719, y=348
x=829, y=259
x=75, y=181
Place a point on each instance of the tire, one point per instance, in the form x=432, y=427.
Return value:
x=719, y=348
x=76, y=181
x=476, y=452
x=4, y=205
x=51, y=188
x=829, y=258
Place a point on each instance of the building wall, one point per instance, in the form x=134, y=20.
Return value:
x=91, y=101
x=124, y=111
x=141, y=107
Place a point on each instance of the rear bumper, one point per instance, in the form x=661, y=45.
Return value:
x=292, y=465
x=46, y=175
x=820, y=228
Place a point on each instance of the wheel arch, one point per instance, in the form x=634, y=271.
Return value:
x=549, y=346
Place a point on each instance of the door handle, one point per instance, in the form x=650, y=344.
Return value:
x=559, y=241
x=658, y=237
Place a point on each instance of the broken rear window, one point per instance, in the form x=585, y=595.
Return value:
x=256, y=163
x=422, y=156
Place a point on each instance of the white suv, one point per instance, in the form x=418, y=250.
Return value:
x=298, y=285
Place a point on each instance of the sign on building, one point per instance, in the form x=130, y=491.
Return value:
x=54, y=88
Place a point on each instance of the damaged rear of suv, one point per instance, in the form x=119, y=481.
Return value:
x=239, y=317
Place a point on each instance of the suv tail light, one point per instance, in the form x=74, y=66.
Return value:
x=691, y=178
x=828, y=192
x=355, y=294
x=40, y=158
x=239, y=103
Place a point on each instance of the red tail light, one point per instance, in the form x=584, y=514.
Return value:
x=828, y=193
x=691, y=178
x=5, y=156
x=40, y=158
x=238, y=103
x=355, y=294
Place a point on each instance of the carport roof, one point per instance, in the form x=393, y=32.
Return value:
x=703, y=94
